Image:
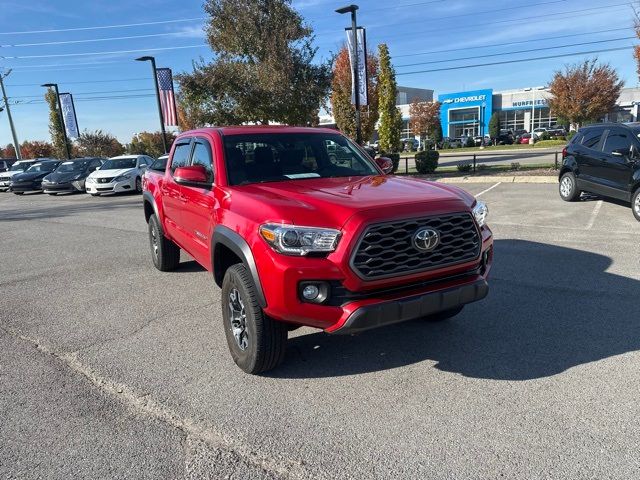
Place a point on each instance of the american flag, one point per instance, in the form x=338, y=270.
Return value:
x=167, y=99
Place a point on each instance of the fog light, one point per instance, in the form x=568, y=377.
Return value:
x=313, y=292
x=310, y=292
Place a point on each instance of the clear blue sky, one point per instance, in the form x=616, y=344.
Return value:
x=469, y=29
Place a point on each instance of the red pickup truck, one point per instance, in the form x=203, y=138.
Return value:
x=297, y=235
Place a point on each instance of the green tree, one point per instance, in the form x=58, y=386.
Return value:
x=55, y=126
x=264, y=68
x=390, y=128
x=149, y=143
x=494, y=126
x=343, y=110
x=98, y=144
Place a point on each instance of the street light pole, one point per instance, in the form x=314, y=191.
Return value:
x=16, y=144
x=64, y=128
x=356, y=80
x=155, y=82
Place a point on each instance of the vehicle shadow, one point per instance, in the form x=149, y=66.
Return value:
x=63, y=210
x=549, y=309
x=592, y=197
x=190, y=266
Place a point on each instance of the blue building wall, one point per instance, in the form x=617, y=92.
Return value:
x=479, y=99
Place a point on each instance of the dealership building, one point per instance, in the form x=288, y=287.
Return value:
x=468, y=113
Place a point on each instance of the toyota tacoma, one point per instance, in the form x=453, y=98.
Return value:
x=295, y=235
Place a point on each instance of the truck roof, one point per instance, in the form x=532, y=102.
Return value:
x=248, y=129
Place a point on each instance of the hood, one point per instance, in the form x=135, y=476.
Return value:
x=9, y=174
x=332, y=201
x=62, y=177
x=111, y=173
x=29, y=176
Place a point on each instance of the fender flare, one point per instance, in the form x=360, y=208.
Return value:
x=148, y=198
x=225, y=236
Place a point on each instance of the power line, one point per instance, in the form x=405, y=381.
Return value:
x=87, y=99
x=115, y=52
x=515, y=52
x=530, y=19
x=417, y=4
x=83, y=82
x=103, y=27
x=77, y=94
x=462, y=67
x=504, y=44
x=89, y=40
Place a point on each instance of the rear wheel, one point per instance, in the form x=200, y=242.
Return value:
x=256, y=342
x=569, y=187
x=635, y=204
x=444, y=315
x=164, y=253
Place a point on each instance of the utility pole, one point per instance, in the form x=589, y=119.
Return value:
x=356, y=84
x=155, y=80
x=16, y=144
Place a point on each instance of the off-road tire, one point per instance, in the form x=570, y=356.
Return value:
x=266, y=339
x=164, y=253
x=568, y=188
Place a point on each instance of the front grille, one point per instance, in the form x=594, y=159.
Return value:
x=387, y=249
x=105, y=180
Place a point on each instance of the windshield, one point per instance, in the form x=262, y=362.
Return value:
x=42, y=167
x=273, y=157
x=72, y=167
x=118, y=163
x=19, y=167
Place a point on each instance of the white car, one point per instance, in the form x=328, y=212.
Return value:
x=537, y=133
x=18, y=167
x=119, y=174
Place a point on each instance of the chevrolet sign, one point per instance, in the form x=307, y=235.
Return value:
x=469, y=99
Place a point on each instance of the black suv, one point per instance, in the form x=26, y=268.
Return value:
x=603, y=159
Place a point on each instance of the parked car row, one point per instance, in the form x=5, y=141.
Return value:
x=88, y=174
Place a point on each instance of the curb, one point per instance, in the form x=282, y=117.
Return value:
x=500, y=178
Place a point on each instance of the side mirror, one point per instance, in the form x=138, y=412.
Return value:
x=192, y=176
x=97, y=168
x=143, y=166
x=385, y=164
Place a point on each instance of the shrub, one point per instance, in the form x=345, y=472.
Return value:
x=464, y=167
x=571, y=134
x=427, y=161
x=515, y=165
x=482, y=167
x=446, y=145
x=545, y=136
x=470, y=143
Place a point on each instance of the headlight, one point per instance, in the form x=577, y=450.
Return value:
x=480, y=212
x=293, y=240
x=122, y=178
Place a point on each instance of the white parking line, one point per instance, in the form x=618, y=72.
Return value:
x=596, y=210
x=488, y=189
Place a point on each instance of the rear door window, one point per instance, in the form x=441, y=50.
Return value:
x=591, y=138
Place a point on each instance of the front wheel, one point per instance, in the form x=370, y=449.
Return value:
x=569, y=188
x=256, y=342
x=18, y=193
x=94, y=194
x=635, y=204
x=164, y=253
x=138, y=185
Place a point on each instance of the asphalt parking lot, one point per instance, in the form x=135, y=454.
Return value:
x=111, y=369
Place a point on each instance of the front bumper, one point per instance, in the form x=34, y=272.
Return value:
x=75, y=186
x=4, y=185
x=26, y=187
x=112, y=187
x=411, y=308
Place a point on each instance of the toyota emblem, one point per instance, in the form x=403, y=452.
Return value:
x=426, y=239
